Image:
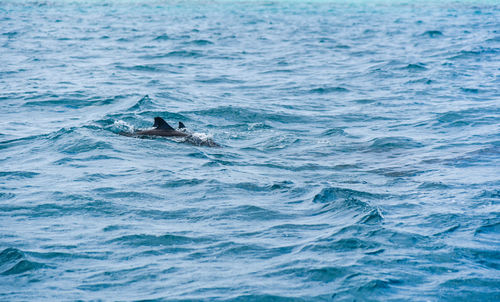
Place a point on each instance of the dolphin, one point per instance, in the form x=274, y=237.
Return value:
x=162, y=128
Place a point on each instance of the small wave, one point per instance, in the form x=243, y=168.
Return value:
x=447, y=230
x=277, y=71
x=397, y=172
x=433, y=34
x=72, y=101
x=17, y=174
x=153, y=240
x=415, y=67
x=433, y=185
x=365, y=101
x=266, y=297
x=320, y=274
x=6, y=196
x=425, y=81
x=490, y=194
x=175, y=54
x=342, y=245
x=471, y=90
x=80, y=205
x=385, y=144
x=472, y=116
x=490, y=228
x=241, y=250
x=10, y=34
x=81, y=145
x=255, y=187
x=183, y=182
x=341, y=200
x=374, y=216
x=14, y=262
x=191, y=214
x=201, y=42
x=476, y=52
x=147, y=68
x=245, y=115
x=251, y=212
x=468, y=288
x=144, y=103
x=10, y=254
x=335, y=132
x=328, y=90
x=23, y=266
x=281, y=142
x=162, y=37
x=92, y=158
x=452, y=119
x=218, y=80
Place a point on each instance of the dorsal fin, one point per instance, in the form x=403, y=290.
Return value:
x=181, y=125
x=161, y=124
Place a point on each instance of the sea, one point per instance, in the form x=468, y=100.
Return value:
x=356, y=152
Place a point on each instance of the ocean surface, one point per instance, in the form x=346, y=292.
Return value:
x=359, y=154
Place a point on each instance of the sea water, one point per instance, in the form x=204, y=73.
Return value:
x=359, y=158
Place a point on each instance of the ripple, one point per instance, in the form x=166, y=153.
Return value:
x=240, y=114
x=146, y=68
x=18, y=174
x=251, y=212
x=321, y=274
x=162, y=37
x=327, y=90
x=153, y=240
x=385, y=144
x=415, y=67
x=348, y=203
x=201, y=42
x=175, y=54
x=433, y=34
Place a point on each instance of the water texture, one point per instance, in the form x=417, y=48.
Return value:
x=359, y=158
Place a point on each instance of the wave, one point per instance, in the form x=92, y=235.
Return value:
x=324, y=274
x=250, y=213
x=467, y=117
x=154, y=240
x=17, y=174
x=201, y=42
x=328, y=90
x=433, y=34
x=153, y=68
x=14, y=262
x=218, y=80
x=474, y=53
x=415, y=67
x=265, y=298
x=241, y=114
x=162, y=37
x=353, y=206
x=385, y=144
x=175, y=54
x=71, y=101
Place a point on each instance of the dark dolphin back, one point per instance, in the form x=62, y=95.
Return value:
x=161, y=124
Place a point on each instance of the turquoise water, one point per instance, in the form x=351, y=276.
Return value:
x=359, y=159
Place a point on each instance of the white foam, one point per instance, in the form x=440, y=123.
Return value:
x=122, y=126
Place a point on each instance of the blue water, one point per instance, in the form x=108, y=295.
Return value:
x=359, y=158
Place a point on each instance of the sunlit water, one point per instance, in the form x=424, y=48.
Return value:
x=359, y=158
